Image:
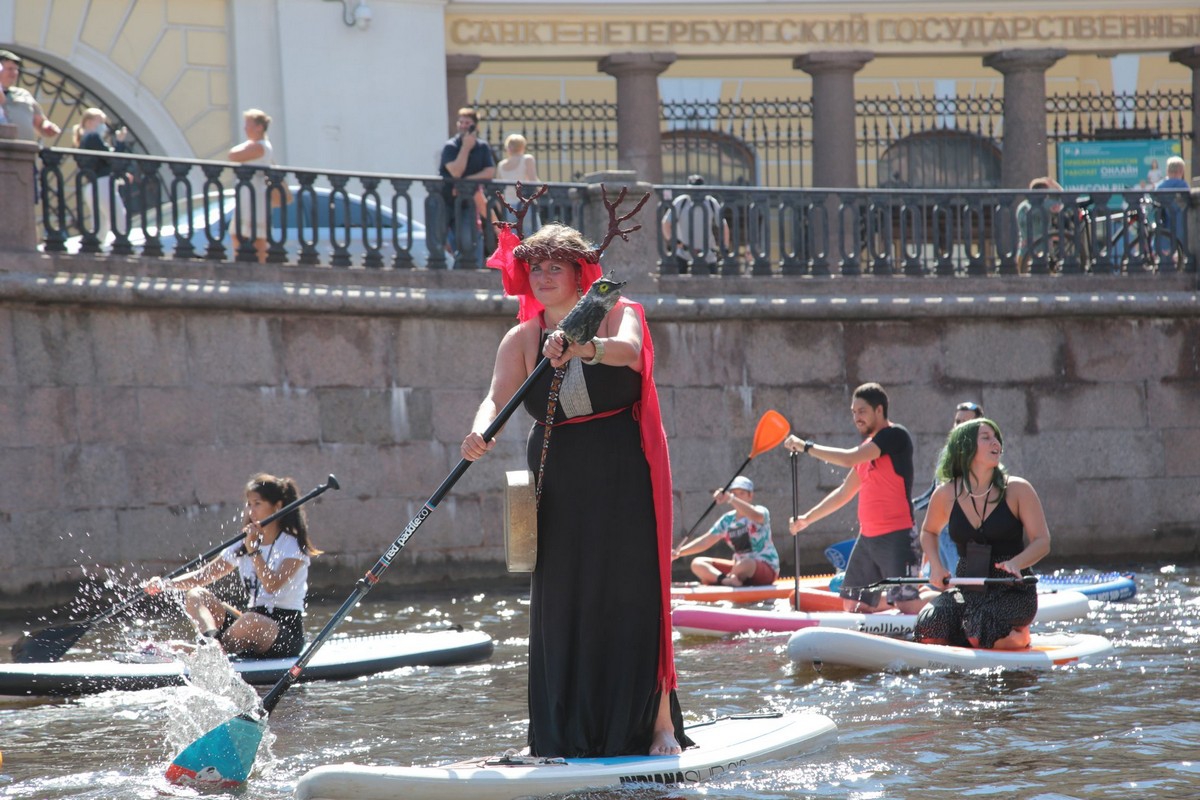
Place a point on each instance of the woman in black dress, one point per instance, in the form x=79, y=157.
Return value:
x=999, y=529
x=601, y=669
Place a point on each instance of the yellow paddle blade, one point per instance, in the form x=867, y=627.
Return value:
x=772, y=429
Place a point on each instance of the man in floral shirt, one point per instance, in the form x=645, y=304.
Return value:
x=747, y=529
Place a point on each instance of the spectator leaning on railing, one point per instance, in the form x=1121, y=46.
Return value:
x=106, y=202
x=256, y=150
x=696, y=230
x=1032, y=225
x=465, y=157
x=1175, y=180
x=18, y=106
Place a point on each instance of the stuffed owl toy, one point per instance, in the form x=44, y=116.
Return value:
x=581, y=322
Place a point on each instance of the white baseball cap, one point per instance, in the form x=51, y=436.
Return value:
x=742, y=482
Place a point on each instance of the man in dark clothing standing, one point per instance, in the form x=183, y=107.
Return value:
x=465, y=157
x=881, y=475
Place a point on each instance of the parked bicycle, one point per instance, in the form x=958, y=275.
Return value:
x=1138, y=237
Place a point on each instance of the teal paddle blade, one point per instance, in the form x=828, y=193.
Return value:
x=221, y=758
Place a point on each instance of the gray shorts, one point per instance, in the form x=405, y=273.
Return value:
x=876, y=558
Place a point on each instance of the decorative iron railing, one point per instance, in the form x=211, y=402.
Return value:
x=64, y=99
x=569, y=140
x=732, y=231
x=191, y=209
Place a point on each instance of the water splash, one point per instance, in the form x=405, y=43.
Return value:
x=216, y=694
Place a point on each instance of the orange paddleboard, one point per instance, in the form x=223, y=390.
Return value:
x=814, y=593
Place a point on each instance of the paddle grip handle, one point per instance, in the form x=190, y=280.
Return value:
x=1026, y=580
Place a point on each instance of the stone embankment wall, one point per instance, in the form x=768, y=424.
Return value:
x=136, y=398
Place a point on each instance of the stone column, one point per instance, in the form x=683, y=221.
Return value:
x=458, y=67
x=18, y=232
x=834, y=156
x=1190, y=57
x=639, y=136
x=1025, y=141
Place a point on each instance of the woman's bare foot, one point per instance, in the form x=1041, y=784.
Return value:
x=665, y=744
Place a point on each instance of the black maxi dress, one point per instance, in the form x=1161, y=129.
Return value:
x=595, y=594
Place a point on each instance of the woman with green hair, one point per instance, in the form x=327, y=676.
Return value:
x=999, y=529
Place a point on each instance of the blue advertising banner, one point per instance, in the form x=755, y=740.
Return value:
x=1135, y=164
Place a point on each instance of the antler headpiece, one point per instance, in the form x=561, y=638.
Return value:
x=513, y=256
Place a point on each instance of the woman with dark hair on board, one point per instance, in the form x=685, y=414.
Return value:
x=272, y=562
x=999, y=528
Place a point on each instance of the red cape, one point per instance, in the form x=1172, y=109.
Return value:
x=654, y=444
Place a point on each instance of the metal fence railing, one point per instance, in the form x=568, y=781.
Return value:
x=190, y=209
x=569, y=140
x=902, y=142
x=732, y=231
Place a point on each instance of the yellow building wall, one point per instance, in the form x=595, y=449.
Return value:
x=176, y=51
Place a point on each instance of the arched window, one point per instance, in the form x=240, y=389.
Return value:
x=940, y=159
x=63, y=100
x=722, y=159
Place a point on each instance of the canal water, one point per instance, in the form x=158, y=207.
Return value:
x=1128, y=726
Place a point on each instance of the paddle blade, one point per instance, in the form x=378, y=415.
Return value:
x=772, y=429
x=221, y=758
x=50, y=644
x=838, y=553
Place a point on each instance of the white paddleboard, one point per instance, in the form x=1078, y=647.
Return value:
x=708, y=620
x=722, y=745
x=815, y=646
x=338, y=659
x=1112, y=586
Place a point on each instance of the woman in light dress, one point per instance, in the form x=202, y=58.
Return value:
x=255, y=151
x=517, y=165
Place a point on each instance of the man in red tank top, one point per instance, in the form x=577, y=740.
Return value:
x=881, y=476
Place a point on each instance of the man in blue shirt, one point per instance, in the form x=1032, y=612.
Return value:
x=465, y=157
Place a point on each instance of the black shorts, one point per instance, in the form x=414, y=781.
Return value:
x=876, y=558
x=290, y=640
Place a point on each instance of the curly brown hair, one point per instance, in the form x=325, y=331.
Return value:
x=555, y=241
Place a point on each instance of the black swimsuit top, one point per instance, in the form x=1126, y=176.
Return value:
x=1001, y=531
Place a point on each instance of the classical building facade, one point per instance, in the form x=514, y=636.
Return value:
x=369, y=85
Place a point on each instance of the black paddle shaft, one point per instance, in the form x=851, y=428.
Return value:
x=50, y=644
x=368, y=581
x=713, y=504
x=795, y=513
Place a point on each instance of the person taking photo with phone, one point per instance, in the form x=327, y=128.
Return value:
x=465, y=157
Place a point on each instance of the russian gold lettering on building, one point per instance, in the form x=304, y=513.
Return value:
x=784, y=35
